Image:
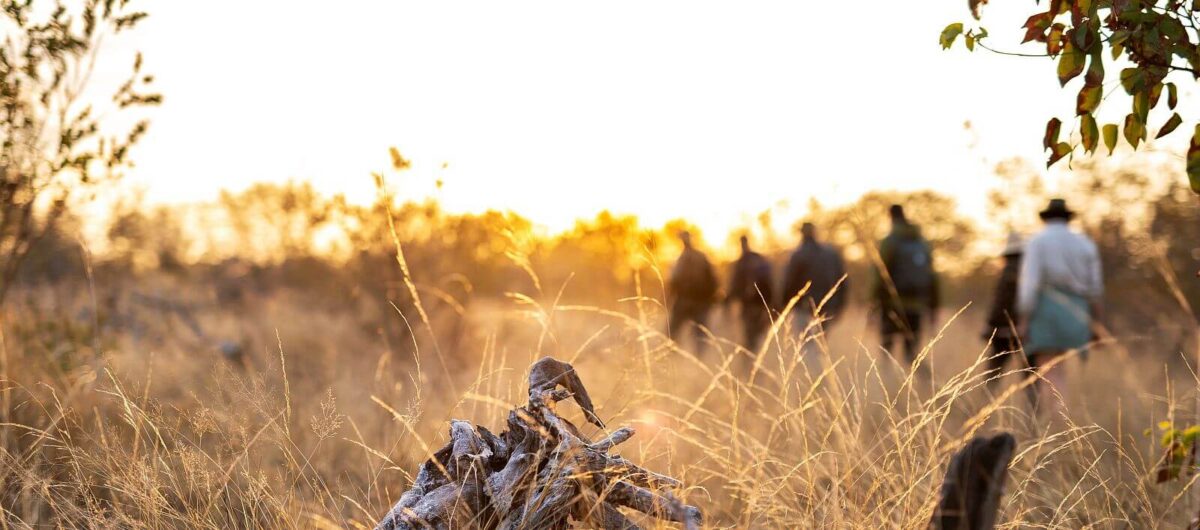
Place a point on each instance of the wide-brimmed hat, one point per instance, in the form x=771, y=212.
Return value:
x=1015, y=244
x=1057, y=209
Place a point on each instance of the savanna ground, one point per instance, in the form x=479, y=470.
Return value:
x=117, y=414
x=263, y=362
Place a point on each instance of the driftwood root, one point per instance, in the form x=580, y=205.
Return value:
x=539, y=473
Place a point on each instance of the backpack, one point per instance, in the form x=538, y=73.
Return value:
x=911, y=267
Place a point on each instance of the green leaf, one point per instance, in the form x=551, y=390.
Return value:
x=1172, y=123
x=1155, y=93
x=1193, y=161
x=1071, y=64
x=970, y=40
x=1054, y=41
x=1051, y=137
x=1035, y=27
x=1089, y=132
x=1172, y=96
x=949, y=34
x=1117, y=43
x=1061, y=149
x=1141, y=105
x=1135, y=130
x=1134, y=80
x=1171, y=28
x=1095, y=73
x=1110, y=137
x=1084, y=38
x=1088, y=99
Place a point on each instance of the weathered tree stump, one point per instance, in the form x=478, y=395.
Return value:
x=970, y=496
x=539, y=473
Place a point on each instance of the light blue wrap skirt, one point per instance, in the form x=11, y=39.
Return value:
x=1060, y=321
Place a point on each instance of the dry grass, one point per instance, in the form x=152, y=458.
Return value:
x=324, y=426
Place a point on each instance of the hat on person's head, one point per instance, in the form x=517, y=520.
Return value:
x=808, y=229
x=1014, y=245
x=1057, y=209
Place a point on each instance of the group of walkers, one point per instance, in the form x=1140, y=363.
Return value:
x=813, y=272
x=1048, y=301
x=1047, y=297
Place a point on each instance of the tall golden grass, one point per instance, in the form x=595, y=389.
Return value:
x=325, y=427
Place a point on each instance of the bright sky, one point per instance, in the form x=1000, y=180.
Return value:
x=705, y=110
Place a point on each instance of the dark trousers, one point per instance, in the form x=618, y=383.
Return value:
x=903, y=323
x=1003, y=349
x=755, y=323
x=685, y=311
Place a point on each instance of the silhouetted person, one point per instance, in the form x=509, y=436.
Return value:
x=692, y=290
x=818, y=266
x=1003, y=321
x=750, y=287
x=906, y=289
x=1059, y=293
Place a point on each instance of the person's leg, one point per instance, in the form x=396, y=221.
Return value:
x=1053, y=392
x=675, y=320
x=1033, y=391
x=888, y=330
x=752, y=340
x=803, y=330
x=699, y=325
x=912, y=336
x=753, y=329
x=814, y=351
x=1002, y=348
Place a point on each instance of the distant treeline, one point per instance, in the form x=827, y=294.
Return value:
x=269, y=237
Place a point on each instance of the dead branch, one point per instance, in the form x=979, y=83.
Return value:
x=539, y=473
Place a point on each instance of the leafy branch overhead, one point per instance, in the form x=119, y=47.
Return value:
x=52, y=145
x=1144, y=41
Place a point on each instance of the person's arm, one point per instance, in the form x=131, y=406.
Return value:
x=1096, y=296
x=1029, y=282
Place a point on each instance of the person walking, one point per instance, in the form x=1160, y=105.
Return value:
x=906, y=286
x=750, y=288
x=819, y=267
x=691, y=291
x=1059, y=295
x=1003, y=321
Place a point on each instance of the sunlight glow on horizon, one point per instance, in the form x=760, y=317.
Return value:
x=709, y=112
